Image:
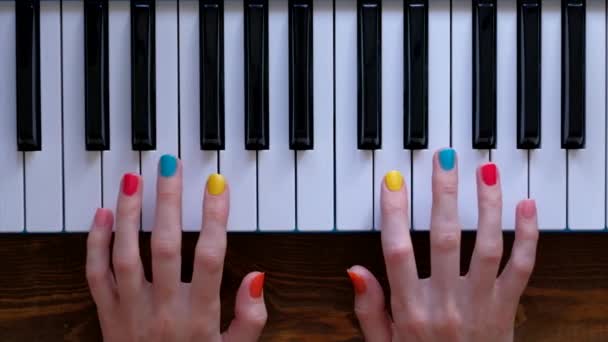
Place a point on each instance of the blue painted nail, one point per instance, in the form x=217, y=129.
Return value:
x=446, y=159
x=168, y=165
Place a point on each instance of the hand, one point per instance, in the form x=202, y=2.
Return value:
x=132, y=309
x=447, y=306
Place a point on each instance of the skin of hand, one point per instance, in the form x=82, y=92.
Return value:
x=129, y=307
x=479, y=306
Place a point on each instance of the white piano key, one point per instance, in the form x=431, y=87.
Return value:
x=11, y=172
x=315, y=168
x=237, y=164
x=166, y=106
x=392, y=156
x=120, y=159
x=354, y=172
x=197, y=164
x=586, y=174
x=43, y=169
x=548, y=164
x=512, y=162
x=439, y=111
x=468, y=158
x=82, y=168
x=276, y=166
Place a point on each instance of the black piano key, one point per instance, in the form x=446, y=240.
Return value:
x=97, y=114
x=301, y=128
x=415, y=120
x=27, y=47
x=211, y=29
x=528, y=74
x=256, y=75
x=143, y=78
x=573, y=74
x=484, y=74
x=369, y=78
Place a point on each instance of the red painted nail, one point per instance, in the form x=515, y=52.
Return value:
x=358, y=282
x=489, y=174
x=130, y=183
x=257, y=286
x=528, y=208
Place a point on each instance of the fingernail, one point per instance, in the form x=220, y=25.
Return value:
x=168, y=165
x=393, y=180
x=101, y=218
x=257, y=286
x=489, y=174
x=216, y=184
x=528, y=208
x=358, y=282
x=447, y=157
x=129, y=184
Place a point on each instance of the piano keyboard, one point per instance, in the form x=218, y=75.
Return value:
x=303, y=105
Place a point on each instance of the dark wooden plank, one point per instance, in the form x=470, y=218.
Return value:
x=44, y=297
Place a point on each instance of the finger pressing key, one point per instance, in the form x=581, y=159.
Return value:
x=128, y=269
x=211, y=246
x=166, y=233
x=488, y=243
x=445, y=225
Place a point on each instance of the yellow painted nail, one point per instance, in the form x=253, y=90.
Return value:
x=393, y=180
x=216, y=184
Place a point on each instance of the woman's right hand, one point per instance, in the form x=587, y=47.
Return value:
x=447, y=307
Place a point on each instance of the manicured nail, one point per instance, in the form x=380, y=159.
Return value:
x=257, y=286
x=216, y=184
x=393, y=180
x=489, y=174
x=130, y=182
x=102, y=218
x=447, y=157
x=528, y=208
x=358, y=282
x=168, y=165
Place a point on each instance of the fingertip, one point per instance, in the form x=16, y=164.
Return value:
x=256, y=285
x=527, y=208
x=357, y=280
x=103, y=218
x=216, y=184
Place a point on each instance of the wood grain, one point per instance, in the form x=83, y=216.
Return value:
x=44, y=296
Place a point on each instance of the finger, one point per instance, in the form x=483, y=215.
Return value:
x=99, y=276
x=445, y=225
x=166, y=237
x=128, y=269
x=396, y=240
x=369, y=305
x=211, y=246
x=488, y=244
x=514, y=278
x=249, y=311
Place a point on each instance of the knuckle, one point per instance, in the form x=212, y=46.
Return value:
x=216, y=211
x=126, y=264
x=165, y=248
x=164, y=325
x=489, y=251
x=128, y=209
x=491, y=200
x=414, y=322
x=446, y=241
x=448, y=187
x=399, y=254
x=256, y=316
x=449, y=324
x=169, y=198
x=528, y=234
x=95, y=276
x=393, y=206
x=209, y=259
x=523, y=266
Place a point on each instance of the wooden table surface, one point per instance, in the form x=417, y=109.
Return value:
x=44, y=296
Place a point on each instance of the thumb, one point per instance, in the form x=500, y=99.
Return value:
x=249, y=311
x=369, y=305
